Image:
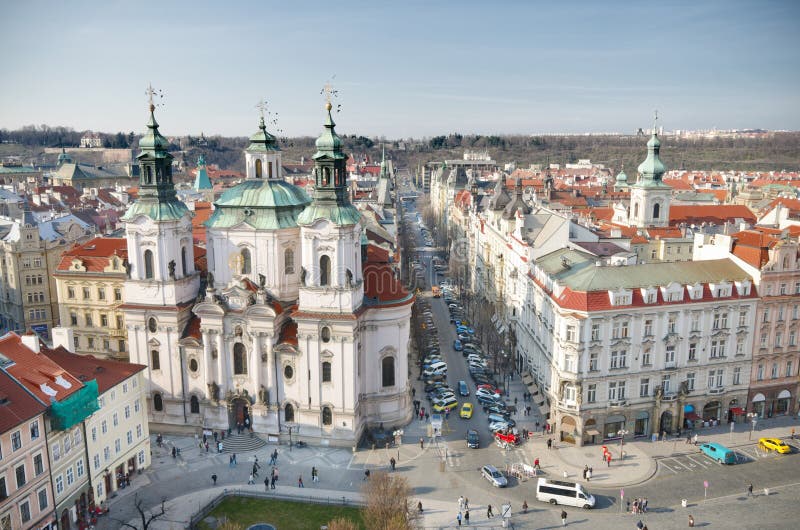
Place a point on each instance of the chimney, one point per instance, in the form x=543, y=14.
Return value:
x=63, y=336
x=31, y=340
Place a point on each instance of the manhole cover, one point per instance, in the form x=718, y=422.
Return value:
x=261, y=526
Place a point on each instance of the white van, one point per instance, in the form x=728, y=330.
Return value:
x=561, y=492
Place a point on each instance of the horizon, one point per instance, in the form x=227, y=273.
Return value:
x=399, y=71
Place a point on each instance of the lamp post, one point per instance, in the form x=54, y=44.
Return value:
x=621, y=433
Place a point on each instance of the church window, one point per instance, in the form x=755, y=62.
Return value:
x=636, y=210
x=288, y=261
x=656, y=211
x=158, y=403
x=269, y=170
x=239, y=359
x=326, y=176
x=258, y=169
x=288, y=412
x=152, y=325
x=155, y=360
x=325, y=270
x=194, y=405
x=325, y=334
x=184, y=268
x=148, y=264
x=327, y=416
x=288, y=372
x=246, y=261
x=148, y=175
x=326, y=372
x=387, y=371
x=193, y=367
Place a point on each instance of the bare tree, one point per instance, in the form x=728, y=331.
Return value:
x=147, y=517
x=340, y=523
x=388, y=499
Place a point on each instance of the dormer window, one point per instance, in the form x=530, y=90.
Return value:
x=695, y=291
x=650, y=295
x=47, y=390
x=743, y=287
x=63, y=383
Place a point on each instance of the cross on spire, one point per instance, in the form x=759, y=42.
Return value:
x=655, y=121
x=329, y=92
x=262, y=107
x=151, y=93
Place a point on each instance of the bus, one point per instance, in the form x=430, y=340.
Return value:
x=562, y=492
x=437, y=291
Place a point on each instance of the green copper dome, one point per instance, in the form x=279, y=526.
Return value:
x=152, y=139
x=622, y=177
x=262, y=140
x=329, y=144
x=652, y=169
x=262, y=204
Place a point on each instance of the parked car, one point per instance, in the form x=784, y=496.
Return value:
x=482, y=391
x=473, y=439
x=718, y=452
x=466, y=410
x=774, y=444
x=445, y=404
x=496, y=426
x=496, y=478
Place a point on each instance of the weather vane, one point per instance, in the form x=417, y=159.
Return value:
x=262, y=107
x=151, y=94
x=655, y=120
x=330, y=94
x=268, y=117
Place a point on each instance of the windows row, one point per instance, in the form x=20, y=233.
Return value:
x=66, y=444
x=620, y=329
x=86, y=293
x=618, y=390
x=130, y=440
x=777, y=370
x=93, y=343
x=24, y=507
x=34, y=432
x=89, y=321
x=620, y=358
x=244, y=263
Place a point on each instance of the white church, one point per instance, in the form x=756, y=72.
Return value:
x=300, y=326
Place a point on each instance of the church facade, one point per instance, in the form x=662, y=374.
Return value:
x=300, y=326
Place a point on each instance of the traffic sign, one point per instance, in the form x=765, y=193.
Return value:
x=705, y=484
x=621, y=493
x=505, y=511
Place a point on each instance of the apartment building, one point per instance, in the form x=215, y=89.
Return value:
x=772, y=257
x=26, y=498
x=117, y=433
x=89, y=282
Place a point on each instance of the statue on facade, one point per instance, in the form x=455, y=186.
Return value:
x=684, y=388
x=579, y=394
x=263, y=395
x=303, y=273
x=210, y=280
x=171, y=268
x=659, y=392
x=230, y=395
x=262, y=280
x=213, y=391
x=348, y=278
x=127, y=265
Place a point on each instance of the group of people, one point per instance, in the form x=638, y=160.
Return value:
x=463, y=510
x=587, y=473
x=638, y=506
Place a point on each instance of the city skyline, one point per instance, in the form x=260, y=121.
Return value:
x=404, y=71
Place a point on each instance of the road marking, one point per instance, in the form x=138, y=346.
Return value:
x=700, y=462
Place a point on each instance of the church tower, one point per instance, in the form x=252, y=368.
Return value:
x=650, y=197
x=162, y=281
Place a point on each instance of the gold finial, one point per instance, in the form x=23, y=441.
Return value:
x=329, y=93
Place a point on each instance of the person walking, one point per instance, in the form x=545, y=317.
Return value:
x=421, y=442
x=419, y=506
x=640, y=525
x=691, y=521
x=300, y=482
x=214, y=478
x=750, y=490
x=255, y=469
x=608, y=460
x=272, y=482
x=589, y=474
x=549, y=443
x=461, y=503
x=250, y=480
x=234, y=460
x=393, y=463
x=466, y=516
x=524, y=506
x=266, y=483
x=489, y=513
x=314, y=477
x=563, y=518
x=458, y=518
x=366, y=474
x=536, y=464
x=585, y=471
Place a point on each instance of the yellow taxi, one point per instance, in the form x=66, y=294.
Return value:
x=774, y=444
x=466, y=411
x=445, y=404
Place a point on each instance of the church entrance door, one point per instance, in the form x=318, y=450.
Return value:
x=241, y=414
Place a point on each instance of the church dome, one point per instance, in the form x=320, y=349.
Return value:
x=263, y=204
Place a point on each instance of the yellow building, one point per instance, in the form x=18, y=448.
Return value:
x=89, y=283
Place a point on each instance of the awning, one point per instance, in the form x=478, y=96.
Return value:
x=527, y=379
x=737, y=411
x=692, y=416
x=543, y=410
x=592, y=432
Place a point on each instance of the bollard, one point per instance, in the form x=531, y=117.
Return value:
x=766, y=492
x=684, y=503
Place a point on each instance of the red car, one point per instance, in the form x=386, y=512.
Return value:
x=492, y=389
x=506, y=439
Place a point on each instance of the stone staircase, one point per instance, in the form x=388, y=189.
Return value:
x=242, y=443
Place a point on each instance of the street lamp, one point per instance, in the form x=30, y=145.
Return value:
x=621, y=433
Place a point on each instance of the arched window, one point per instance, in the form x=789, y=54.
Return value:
x=636, y=210
x=656, y=211
x=148, y=264
x=269, y=170
x=327, y=416
x=158, y=404
x=194, y=405
x=184, y=269
x=258, y=168
x=325, y=270
x=288, y=412
x=326, y=372
x=193, y=366
x=246, y=261
x=155, y=360
x=288, y=261
x=387, y=371
x=152, y=325
x=325, y=334
x=148, y=175
x=239, y=359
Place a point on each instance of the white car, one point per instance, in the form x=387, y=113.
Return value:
x=486, y=393
x=491, y=474
x=499, y=426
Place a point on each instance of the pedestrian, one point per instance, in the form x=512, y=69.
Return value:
x=366, y=474
x=255, y=470
x=206, y=445
x=524, y=506
x=427, y=416
x=234, y=459
x=250, y=480
x=691, y=521
x=585, y=471
x=458, y=518
x=174, y=452
x=640, y=525
x=644, y=505
x=466, y=516
x=230, y=461
x=266, y=483
x=393, y=463
x=219, y=447
x=694, y=439
x=314, y=477
x=635, y=509
x=750, y=490
x=688, y=438
x=563, y=518
x=536, y=464
x=419, y=506
x=215, y=435
x=272, y=483
x=515, y=402
x=489, y=513
x=608, y=459
x=413, y=392
x=460, y=503
x=214, y=478
x=549, y=443
x=589, y=474
x=205, y=438
x=421, y=442
x=466, y=504
x=792, y=433
x=300, y=482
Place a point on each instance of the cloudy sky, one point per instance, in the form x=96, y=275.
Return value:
x=411, y=68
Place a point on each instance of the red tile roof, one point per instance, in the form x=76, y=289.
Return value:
x=288, y=334
x=709, y=213
x=35, y=370
x=17, y=405
x=202, y=212
x=95, y=253
x=108, y=373
x=753, y=246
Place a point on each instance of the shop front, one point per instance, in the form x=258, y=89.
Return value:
x=641, y=426
x=613, y=425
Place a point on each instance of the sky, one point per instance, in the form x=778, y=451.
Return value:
x=414, y=68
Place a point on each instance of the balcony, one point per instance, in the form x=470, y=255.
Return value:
x=670, y=365
x=716, y=391
x=116, y=333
